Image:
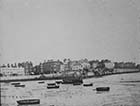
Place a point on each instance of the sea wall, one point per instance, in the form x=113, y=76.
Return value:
x=120, y=70
x=30, y=77
x=59, y=76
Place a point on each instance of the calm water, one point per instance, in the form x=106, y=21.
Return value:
x=124, y=91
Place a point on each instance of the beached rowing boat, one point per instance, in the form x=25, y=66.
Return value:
x=28, y=101
x=103, y=89
x=53, y=86
x=88, y=84
x=18, y=85
x=41, y=82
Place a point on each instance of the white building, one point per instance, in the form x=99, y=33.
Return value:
x=109, y=65
x=75, y=66
x=10, y=71
x=62, y=67
x=80, y=65
x=84, y=63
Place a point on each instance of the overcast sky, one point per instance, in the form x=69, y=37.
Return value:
x=39, y=30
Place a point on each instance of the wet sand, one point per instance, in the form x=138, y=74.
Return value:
x=124, y=91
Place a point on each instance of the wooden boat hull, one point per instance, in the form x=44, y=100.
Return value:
x=41, y=82
x=59, y=82
x=28, y=101
x=103, y=89
x=15, y=83
x=19, y=85
x=53, y=87
x=51, y=84
x=86, y=85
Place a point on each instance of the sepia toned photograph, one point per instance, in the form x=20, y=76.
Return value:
x=69, y=52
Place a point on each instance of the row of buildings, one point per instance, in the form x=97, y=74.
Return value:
x=20, y=69
x=51, y=66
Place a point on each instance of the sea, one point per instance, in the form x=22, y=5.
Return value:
x=124, y=91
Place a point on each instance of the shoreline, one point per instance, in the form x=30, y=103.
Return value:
x=112, y=74
x=60, y=78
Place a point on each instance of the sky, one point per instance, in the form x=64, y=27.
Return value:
x=38, y=30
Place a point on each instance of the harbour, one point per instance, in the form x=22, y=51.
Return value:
x=124, y=91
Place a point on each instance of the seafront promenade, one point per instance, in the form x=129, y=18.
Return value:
x=31, y=77
x=59, y=76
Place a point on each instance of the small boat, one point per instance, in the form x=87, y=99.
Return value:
x=53, y=86
x=28, y=101
x=41, y=82
x=89, y=84
x=58, y=82
x=103, y=89
x=16, y=83
x=19, y=85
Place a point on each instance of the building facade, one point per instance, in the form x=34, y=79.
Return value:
x=10, y=71
x=28, y=66
x=51, y=66
x=94, y=64
x=75, y=65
